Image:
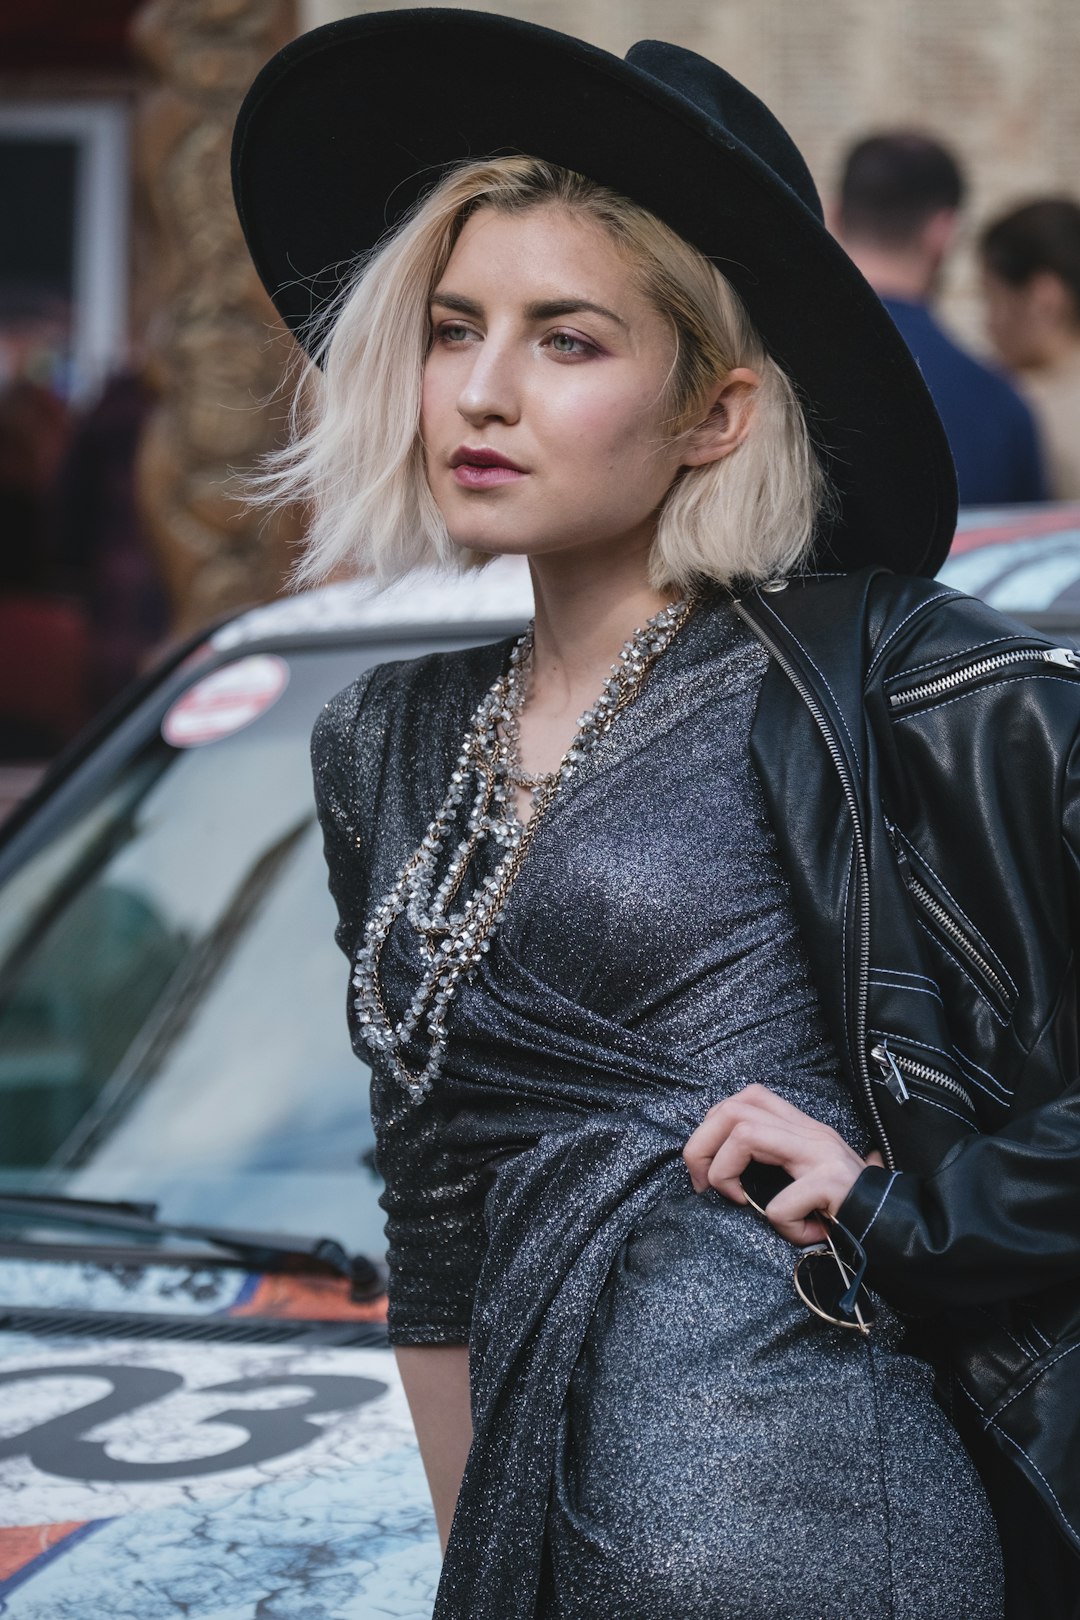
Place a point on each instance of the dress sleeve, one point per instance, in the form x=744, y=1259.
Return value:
x=1000, y=1217
x=434, y=1206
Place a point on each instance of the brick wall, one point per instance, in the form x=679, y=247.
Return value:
x=999, y=79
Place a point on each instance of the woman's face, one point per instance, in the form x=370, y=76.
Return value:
x=1008, y=320
x=544, y=388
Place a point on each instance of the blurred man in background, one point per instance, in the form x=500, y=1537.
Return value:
x=900, y=198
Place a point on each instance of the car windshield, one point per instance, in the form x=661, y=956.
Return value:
x=171, y=999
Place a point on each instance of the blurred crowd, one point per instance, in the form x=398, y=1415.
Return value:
x=82, y=604
x=1014, y=424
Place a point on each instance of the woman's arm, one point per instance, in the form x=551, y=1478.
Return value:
x=436, y=1379
x=998, y=1219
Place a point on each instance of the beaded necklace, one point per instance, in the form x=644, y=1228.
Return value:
x=488, y=767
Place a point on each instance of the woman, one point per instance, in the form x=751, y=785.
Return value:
x=1031, y=284
x=625, y=978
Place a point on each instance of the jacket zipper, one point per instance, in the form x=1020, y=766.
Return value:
x=894, y=1068
x=1062, y=657
x=946, y=921
x=846, y=783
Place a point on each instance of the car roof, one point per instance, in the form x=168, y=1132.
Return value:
x=1021, y=560
x=1024, y=561
x=497, y=594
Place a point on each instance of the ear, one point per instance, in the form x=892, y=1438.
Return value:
x=939, y=233
x=728, y=420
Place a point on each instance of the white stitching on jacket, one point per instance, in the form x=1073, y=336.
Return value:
x=970, y=1063
x=881, y=1201
x=943, y=596
x=1024, y=1349
x=813, y=665
x=958, y=962
x=980, y=936
x=931, y=1102
x=1004, y=680
x=992, y=1423
x=948, y=658
x=1043, y=1367
x=900, y=973
x=928, y=1046
x=884, y=983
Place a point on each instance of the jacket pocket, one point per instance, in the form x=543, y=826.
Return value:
x=906, y=693
x=956, y=933
x=910, y=1078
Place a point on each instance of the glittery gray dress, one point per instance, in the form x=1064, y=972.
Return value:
x=662, y=1428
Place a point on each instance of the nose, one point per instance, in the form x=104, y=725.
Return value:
x=490, y=389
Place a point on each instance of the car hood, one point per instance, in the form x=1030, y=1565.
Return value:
x=180, y=1440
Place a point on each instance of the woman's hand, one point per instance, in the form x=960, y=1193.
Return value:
x=757, y=1124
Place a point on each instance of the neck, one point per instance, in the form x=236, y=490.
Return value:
x=587, y=605
x=1058, y=349
x=907, y=276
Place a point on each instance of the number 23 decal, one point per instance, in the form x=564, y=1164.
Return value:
x=58, y=1446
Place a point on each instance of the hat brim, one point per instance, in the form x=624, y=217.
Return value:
x=350, y=124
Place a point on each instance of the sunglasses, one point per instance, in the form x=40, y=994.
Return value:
x=828, y=1279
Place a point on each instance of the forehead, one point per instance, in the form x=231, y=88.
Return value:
x=549, y=246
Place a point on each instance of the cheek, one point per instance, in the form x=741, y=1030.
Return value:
x=606, y=427
x=440, y=391
x=1007, y=323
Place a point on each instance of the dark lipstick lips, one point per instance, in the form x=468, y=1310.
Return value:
x=482, y=458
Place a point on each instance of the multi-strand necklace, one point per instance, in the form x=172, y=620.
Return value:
x=454, y=931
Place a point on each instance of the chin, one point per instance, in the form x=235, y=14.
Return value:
x=484, y=546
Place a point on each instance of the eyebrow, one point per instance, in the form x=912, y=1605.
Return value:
x=547, y=310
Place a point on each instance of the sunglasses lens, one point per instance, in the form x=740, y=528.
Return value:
x=824, y=1280
x=762, y=1182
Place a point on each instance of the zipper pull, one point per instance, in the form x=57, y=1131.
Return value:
x=1064, y=657
x=903, y=865
x=894, y=1080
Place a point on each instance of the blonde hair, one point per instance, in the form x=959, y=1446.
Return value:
x=355, y=456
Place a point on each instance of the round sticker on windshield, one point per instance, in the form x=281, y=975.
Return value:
x=226, y=701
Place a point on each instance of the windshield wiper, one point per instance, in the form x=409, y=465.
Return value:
x=269, y=1251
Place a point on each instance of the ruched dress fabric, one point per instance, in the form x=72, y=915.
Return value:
x=662, y=1429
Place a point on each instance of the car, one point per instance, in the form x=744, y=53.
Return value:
x=1024, y=561
x=201, y=1413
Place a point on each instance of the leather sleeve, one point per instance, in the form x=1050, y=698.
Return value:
x=434, y=1210
x=1000, y=1217
x=998, y=1220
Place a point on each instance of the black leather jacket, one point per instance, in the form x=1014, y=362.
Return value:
x=920, y=758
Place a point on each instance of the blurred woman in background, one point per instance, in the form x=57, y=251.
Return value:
x=1031, y=283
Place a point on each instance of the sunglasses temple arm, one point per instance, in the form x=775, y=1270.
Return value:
x=847, y=1302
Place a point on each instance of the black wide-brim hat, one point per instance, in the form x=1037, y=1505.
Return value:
x=350, y=124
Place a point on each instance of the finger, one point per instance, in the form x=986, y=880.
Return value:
x=794, y=1211
x=755, y=1136
x=802, y=1233
x=713, y=1134
x=875, y=1158
x=771, y=1102
x=708, y=1138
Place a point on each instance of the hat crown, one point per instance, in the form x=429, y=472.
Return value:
x=732, y=107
